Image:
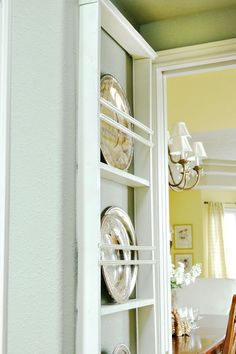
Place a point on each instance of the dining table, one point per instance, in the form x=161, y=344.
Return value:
x=210, y=332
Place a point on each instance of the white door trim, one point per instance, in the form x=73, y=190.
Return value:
x=181, y=61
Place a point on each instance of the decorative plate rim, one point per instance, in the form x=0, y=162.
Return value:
x=120, y=347
x=126, y=103
x=115, y=295
x=126, y=221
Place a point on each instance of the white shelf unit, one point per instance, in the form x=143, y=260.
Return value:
x=95, y=319
x=123, y=177
x=131, y=304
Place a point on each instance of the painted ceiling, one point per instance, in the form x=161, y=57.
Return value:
x=146, y=11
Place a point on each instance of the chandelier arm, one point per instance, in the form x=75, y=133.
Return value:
x=171, y=175
x=175, y=189
x=197, y=180
x=171, y=158
x=181, y=188
x=190, y=175
x=173, y=183
x=183, y=179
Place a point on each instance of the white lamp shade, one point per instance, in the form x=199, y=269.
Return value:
x=199, y=150
x=180, y=146
x=168, y=137
x=180, y=129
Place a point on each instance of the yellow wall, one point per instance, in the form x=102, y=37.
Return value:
x=204, y=101
x=186, y=208
x=189, y=208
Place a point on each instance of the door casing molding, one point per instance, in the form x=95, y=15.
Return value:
x=176, y=62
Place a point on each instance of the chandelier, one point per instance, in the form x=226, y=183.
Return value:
x=184, y=161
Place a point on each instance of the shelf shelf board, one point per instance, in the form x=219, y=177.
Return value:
x=122, y=177
x=130, y=305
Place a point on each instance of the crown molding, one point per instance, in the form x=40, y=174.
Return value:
x=216, y=53
x=218, y=174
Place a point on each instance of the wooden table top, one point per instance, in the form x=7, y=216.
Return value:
x=211, y=331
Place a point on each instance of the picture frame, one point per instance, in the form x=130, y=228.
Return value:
x=183, y=236
x=186, y=258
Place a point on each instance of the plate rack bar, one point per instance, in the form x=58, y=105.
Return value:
x=116, y=263
x=125, y=130
x=126, y=116
x=128, y=248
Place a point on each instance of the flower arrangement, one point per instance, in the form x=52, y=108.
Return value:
x=179, y=277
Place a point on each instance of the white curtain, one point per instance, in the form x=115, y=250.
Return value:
x=230, y=241
x=216, y=265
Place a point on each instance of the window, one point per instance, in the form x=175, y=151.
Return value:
x=230, y=241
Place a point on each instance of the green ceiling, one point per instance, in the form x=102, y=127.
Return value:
x=176, y=23
x=145, y=11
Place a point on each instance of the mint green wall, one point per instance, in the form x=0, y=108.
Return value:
x=42, y=267
x=42, y=249
x=189, y=30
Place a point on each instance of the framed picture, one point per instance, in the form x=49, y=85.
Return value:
x=187, y=259
x=183, y=237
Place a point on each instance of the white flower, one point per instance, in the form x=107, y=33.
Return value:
x=196, y=270
x=187, y=279
x=180, y=278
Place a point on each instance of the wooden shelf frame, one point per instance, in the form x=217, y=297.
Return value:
x=94, y=15
x=128, y=248
x=122, y=177
x=129, y=305
x=124, y=33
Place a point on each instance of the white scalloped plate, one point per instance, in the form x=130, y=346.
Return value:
x=116, y=146
x=121, y=349
x=118, y=277
x=127, y=223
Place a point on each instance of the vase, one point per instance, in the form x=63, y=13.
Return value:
x=173, y=298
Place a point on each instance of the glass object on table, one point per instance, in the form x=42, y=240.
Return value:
x=183, y=312
x=173, y=298
x=193, y=314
